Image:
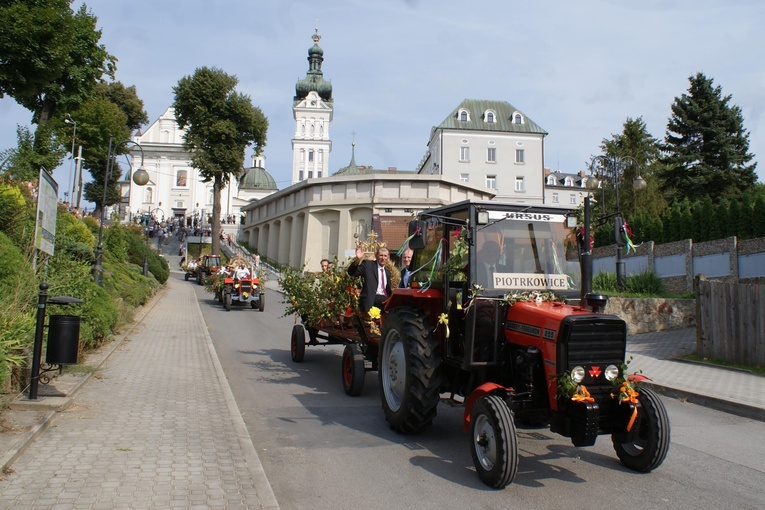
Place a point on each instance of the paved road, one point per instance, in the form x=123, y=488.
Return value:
x=323, y=449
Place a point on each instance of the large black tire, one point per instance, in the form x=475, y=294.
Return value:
x=199, y=277
x=645, y=447
x=227, y=301
x=186, y=277
x=493, y=441
x=297, y=343
x=409, y=370
x=262, y=302
x=353, y=370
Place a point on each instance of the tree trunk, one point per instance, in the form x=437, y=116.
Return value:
x=217, y=187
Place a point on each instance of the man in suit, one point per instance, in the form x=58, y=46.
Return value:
x=406, y=273
x=375, y=278
x=488, y=264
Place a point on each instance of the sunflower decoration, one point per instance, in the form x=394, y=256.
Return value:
x=374, y=320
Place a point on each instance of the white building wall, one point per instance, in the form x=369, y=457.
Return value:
x=168, y=193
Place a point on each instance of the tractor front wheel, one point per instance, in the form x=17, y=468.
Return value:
x=409, y=371
x=353, y=370
x=297, y=343
x=493, y=441
x=644, y=447
x=262, y=302
x=227, y=301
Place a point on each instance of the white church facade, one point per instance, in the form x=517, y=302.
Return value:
x=175, y=188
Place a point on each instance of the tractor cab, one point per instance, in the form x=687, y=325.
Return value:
x=491, y=250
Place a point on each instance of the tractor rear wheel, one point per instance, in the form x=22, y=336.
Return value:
x=409, y=371
x=644, y=447
x=353, y=370
x=493, y=441
x=297, y=343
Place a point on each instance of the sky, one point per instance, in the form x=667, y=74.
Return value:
x=579, y=69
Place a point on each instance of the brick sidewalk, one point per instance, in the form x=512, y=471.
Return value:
x=156, y=428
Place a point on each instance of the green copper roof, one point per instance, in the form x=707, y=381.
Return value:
x=257, y=178
x=504, y=114
x=314, y=78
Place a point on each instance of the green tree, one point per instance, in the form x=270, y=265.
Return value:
x=23, y=162
x=113, y=112
x=220, y=124
x=50, y=60
x=706, y=148
x=636, y=153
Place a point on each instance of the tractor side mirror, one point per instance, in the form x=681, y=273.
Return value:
x=417, y=234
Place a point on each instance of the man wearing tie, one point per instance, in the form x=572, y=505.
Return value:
x=488, y=264
x=375, y=277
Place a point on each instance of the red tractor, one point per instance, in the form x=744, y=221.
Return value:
x=494, y=322
x=208, y=265
x=242, y=289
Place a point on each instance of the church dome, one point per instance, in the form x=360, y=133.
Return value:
x=314, y=78
x=257, y=178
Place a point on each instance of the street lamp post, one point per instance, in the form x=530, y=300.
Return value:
x=613, y=169
x=70, y=120
x=98, y=269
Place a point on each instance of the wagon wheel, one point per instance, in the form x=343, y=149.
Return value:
x=297, y=343
x=353, y=370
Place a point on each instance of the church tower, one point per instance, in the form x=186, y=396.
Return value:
x=312, y=110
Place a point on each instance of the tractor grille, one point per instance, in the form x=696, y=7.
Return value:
x=593, y=342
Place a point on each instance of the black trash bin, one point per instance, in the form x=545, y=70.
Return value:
x=63, y=340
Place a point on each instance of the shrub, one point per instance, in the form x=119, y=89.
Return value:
x=646, y=282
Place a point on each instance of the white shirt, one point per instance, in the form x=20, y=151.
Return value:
x=381, y=280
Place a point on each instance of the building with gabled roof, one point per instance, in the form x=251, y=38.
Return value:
x=490, y=143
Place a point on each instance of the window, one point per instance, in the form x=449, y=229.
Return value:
x=388, y=210
x=491, y=181
x=569, y=181
x=310, y=174
x=491, y=155
x=490, y=119
x=464, y=153
x=555, y=198
x=300, y=175
x=464, y=177
x=310, y=155
x=148, y=195
x=519, y=184
x=572, y=199
x=519, y=156
x=318, y=174
x=517, y=118
x=551, y=180
x=464, y=116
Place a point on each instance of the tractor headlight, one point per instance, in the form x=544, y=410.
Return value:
x=612, y=372
x=577, y=374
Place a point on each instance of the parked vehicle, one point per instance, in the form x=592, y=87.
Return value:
x=494, y=322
